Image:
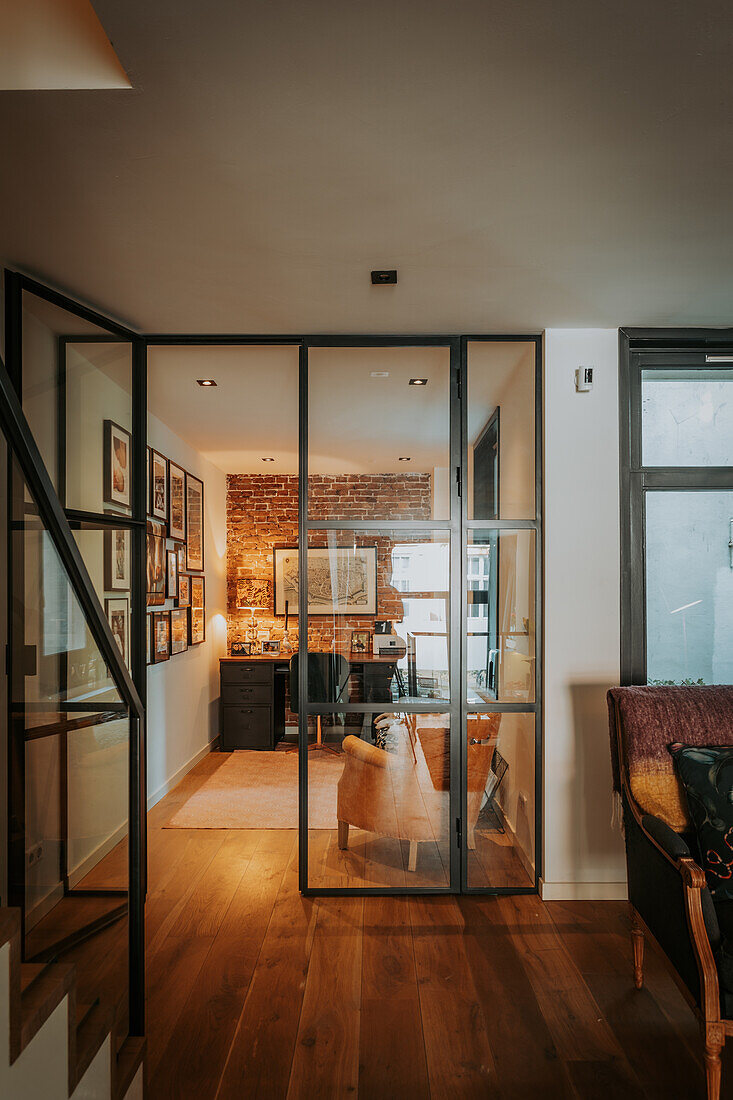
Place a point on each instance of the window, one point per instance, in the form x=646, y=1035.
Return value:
x=677, y=512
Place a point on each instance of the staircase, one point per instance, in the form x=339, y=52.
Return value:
x=51, y=1047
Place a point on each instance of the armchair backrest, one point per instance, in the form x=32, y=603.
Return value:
x=644, y=721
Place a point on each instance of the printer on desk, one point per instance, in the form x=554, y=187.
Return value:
x=388, y=645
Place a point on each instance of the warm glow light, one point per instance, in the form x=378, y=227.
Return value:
x=205, y=381
x=418, y=382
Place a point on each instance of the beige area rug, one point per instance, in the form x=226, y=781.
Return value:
x=259, y=790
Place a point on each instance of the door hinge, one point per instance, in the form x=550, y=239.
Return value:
x=458, y=480
x=458, y=832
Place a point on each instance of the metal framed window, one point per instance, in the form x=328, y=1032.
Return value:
x=673, y=455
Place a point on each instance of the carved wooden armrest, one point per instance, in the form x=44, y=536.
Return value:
x=693, y=881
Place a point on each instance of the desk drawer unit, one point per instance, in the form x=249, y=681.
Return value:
x=248, y=705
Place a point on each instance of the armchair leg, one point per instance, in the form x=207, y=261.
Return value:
x=637, y=942
x=713, y=1068
x=343, y=835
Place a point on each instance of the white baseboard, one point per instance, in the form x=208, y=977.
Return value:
x=178, y=776
x=583, y=891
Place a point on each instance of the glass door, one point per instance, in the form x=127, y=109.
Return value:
x=380, y=517
x=76, y=568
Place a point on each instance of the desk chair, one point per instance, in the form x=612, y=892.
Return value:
x=328, y=675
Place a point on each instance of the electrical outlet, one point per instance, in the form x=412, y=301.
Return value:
x=34, y=854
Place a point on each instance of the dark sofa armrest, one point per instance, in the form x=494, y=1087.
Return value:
x=669, y=892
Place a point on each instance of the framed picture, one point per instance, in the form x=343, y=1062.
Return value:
x=361, y=641
x=117, y=560
x=156, y=563
x=116, y=464
x=194, y=524
x=176, y=502
x=148, y=639
x=161, y=641
x=241, y=649
x=197, y=614
x=171, y=574
x=272, y=647
x=159, y=486
x=342, y=580
x=184, y=590
x=181, y=551
x=179, y=630
x=118, y=617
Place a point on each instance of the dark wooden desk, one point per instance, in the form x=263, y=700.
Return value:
x=253, y=691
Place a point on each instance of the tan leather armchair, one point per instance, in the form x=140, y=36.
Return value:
x=381, y=792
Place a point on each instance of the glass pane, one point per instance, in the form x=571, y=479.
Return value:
x=501, y=430
x=379, y=605
x=500, y=826
x=687, y=417
x=378, y=433
x=70, y=768
x=77, y=397
x=689, y=587
x=500, y=610
x=107, y=556
x=379, y=805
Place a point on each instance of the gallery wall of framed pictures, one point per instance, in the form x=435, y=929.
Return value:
x=175, y=559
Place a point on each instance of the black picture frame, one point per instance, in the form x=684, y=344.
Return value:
x=197, y=612
x=176, y=502
x=194, y=524
x=116, y=544
x=183, y=597
x=156, y=563
x=117, y=610
x=115, y=471
x=158, y=493
x=280, y=593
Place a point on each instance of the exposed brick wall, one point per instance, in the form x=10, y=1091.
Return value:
x=262, y=514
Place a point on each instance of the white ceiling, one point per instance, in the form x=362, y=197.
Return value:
x=357, y=423
x=522, y=164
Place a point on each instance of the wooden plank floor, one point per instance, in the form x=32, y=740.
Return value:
x=255, y=991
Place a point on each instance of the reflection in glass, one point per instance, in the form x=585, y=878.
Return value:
x=379, y=811
x=500, y=799
x=500, y=600
x=687, y=417
x=388, y=594
x=501, y=430
x=378, y=447
x=689, y=587
x=73, y=731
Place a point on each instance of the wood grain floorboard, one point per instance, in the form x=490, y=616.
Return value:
x=257, y=992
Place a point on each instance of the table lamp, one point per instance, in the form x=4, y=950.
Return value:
x=253, y=594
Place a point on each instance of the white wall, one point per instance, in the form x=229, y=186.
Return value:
x=183, y=692
x=583, y=853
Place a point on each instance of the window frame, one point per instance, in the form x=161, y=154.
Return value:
x=645, y=350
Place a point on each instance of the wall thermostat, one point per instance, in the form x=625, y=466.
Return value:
x=584, y=379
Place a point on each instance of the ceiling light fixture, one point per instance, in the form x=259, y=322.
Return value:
x=205, y=382
x=268, y=459
x=380, y=374
x=406, y=459
x=418, y=382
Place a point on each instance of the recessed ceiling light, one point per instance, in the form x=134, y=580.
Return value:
x=268, y=459
x=406, y=459
x=380, y=374
x=205, y=382
x=418, y=381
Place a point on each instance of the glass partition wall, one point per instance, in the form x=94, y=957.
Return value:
x=76, y=854
x=420, y=604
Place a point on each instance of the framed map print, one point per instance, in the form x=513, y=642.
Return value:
x=194, y=524
x=197, y=611
x=176, y=502
x=342, y=580
x=179, y=630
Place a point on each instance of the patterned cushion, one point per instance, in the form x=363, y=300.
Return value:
x=707, y=775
